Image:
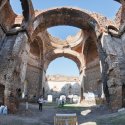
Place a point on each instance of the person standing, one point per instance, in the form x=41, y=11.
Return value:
x=40, y=101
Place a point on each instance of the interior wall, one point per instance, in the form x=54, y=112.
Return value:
x=34, y=70
x=5, y=52
x=92, y=79
x=92, y=82
x=32, y=77
x=115, y=59
x=21, y=67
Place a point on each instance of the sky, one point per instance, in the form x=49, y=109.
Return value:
x=62, y=65
x=105, y=7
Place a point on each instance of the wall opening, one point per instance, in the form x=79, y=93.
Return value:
x=19, y=92
x=34, y=49
x=2, y=88
x=62, y=78
x=123, y=95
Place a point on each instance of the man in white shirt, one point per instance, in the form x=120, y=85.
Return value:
x=40, y=101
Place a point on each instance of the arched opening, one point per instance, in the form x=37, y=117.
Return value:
x=64, y=16
x=92, y=81
x=62, y=78
x=87, y=23
x=19, y=92
x=34, y=49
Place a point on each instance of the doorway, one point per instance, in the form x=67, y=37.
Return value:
x=2, y=88
x=123, y=95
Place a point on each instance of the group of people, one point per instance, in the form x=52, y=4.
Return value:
x=3, y=110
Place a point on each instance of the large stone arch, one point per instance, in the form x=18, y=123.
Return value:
x=73, y=55
x=65, y=16
x=73, y=17
x=67, y=53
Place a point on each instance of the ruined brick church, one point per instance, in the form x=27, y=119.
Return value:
x=26, y=50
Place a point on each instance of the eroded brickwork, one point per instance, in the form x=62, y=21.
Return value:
x=93, y=82
x=26, y=50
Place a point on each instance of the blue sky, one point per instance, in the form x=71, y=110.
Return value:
x=105, y=7
x=63, y=32
x=62, y=65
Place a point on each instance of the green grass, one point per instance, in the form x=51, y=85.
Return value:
x=66, y=106
x=71, y=106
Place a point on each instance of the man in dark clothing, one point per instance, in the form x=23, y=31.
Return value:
x=40, y=101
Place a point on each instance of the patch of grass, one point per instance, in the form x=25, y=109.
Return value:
x=66, y=106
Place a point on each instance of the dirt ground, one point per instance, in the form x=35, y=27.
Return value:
x=86, y=115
